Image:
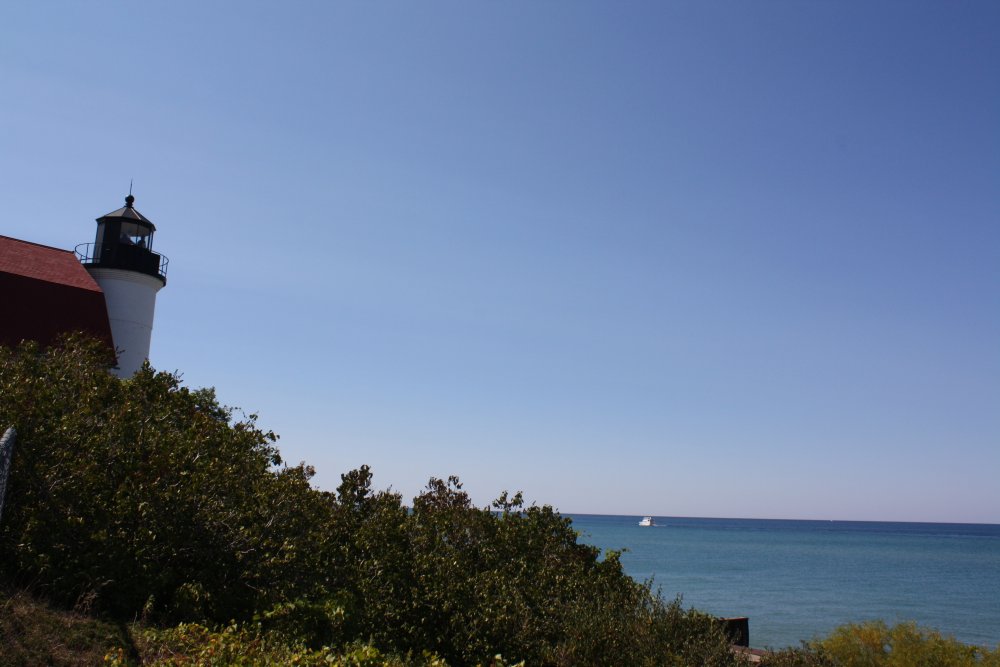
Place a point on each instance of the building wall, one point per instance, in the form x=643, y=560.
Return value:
x=32, y=309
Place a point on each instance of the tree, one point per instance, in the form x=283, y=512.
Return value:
x=140, y=495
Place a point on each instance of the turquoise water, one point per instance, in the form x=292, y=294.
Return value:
x=796, y=580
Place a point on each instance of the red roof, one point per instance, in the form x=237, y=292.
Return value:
x=41, y=262
x=46, y=292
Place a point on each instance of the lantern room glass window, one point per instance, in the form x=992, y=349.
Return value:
x=137, y=235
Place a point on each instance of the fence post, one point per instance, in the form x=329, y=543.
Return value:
x=6, y=453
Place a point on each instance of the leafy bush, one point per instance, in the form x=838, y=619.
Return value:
x=797, y=657
x=875, y=644
x=194, y=645
x=141, y=497
x=469, y=582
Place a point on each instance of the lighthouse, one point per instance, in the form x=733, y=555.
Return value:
x=121, y=260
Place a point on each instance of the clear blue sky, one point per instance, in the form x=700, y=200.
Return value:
x=673, y=258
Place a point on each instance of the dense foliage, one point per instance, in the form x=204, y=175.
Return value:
x=142, y=498
x=193, y=645
x=875, y=644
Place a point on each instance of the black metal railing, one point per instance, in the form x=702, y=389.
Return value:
x=123, y=256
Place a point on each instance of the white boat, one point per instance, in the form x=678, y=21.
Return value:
x=647, y=521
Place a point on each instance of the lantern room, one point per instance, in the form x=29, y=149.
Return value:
x=124, y=241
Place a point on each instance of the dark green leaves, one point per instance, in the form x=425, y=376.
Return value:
x=141, y=497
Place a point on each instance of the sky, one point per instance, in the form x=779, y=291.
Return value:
x=673, y=258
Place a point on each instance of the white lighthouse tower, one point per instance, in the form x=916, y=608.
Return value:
x=122, y=261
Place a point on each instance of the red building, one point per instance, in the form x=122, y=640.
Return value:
x=45, y=292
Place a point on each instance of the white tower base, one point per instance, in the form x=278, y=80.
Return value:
x=131, y=299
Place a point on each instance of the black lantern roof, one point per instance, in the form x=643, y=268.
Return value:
x=128, y=212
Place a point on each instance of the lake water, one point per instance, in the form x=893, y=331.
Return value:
x=798, y=580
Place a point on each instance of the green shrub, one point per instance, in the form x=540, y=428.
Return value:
x=142, y=498
x=875, y=644
x=193, y=645
x=471, y=582
x=312, y=624
x=797, y=657
x=903, y=645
